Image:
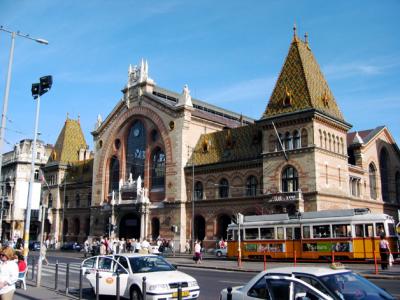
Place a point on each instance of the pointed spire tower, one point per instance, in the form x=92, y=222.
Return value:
x=69, y=143
x=301, y=86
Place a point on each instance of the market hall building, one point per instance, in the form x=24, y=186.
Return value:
x=159, y=154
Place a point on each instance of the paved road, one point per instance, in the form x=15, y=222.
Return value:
x=211, y=281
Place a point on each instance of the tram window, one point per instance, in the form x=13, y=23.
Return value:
x=369, y=231
x=391, y=229
x=306, y=232
x=379, y=229
x=230, y=235
x=341, y=230
x=297, y=233
x=359, y=230
x=289, y=233
x=267, y=233
x=321, y=231
x=251, y=233
x=280, y=233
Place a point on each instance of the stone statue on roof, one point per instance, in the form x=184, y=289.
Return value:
x=98, y=122
x=185, y=98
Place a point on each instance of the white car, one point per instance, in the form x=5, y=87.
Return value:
x=220, y=252
x=162, y=279
x=307, y=283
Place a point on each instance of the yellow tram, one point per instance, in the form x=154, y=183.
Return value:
x=348, y=234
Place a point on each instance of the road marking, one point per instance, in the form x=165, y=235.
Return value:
x=235, y=282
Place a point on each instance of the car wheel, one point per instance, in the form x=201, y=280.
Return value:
x=135, y=294
x=219, y=253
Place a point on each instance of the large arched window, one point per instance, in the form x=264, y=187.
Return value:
x=158, y=169
x=223, y=188
x=198, y=191
x=136, y=151
x=50, y=201
x=383, y=167
x=290, y=179
x=114, y=175
x=372, y=180
x=251, y=186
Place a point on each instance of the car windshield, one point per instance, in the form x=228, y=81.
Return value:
x=349, y=286
x=145, y=264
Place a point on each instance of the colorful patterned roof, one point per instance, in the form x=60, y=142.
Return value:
x=69, y=142
x=236, y=144
x=301, y=85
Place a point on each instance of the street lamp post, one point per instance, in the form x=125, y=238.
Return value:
x=6, y=94
x=38, y=89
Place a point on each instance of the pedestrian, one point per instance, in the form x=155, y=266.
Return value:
x=384, y=251
x=43, y=251
x=8, y=273
x=187, y=247
x=86, y=247
x=19, y=245
x=197, y=252
x=103, y=248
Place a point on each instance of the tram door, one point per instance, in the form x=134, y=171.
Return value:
x=369, y=240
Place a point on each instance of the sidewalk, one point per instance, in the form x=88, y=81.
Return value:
x=211, y=262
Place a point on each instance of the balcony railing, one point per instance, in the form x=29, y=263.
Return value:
x=285, y=196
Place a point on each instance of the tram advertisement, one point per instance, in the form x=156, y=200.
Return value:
x=328, y=246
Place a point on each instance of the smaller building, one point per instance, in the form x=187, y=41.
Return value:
x=16, y=172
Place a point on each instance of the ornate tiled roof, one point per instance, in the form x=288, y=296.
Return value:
x=301, y=85
x=236, y=144
x=69, y=142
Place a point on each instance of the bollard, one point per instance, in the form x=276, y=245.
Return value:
x=375, y=263
x=118, y=283
x=229, y=295
x=144, y=288
x=265, y=262
x=97, y=284
x=80, y=283
x=179, y=290
x=33, y=268
x=67, y=280
x=333, y=257
x=56, y=276
x=295, y=258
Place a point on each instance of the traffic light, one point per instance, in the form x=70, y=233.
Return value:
x=38, y=89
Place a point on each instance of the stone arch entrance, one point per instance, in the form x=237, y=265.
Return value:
x=129, y=226
x=222, y=225
x=199, y=227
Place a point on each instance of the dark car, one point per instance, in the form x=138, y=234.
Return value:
x=71, y=246
x=34, y=245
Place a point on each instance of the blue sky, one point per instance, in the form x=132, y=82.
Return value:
x=228, y=52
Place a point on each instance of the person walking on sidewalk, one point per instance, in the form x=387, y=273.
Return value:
x=384, y=251
x=197, y=252
x=8, y=273
x=43, y=251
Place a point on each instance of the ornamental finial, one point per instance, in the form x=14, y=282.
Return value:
x=294, y=30
x=306, y=38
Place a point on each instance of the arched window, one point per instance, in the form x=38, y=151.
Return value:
x=342, y=145
x=333, y=143
x=251, y=186
x=158, y=169
x=36, y=175
x=155, y=228
x=50, y=201
x=320, y=138
x=198, y=191
x=114, y=175
x=296, y=140
x=66, y=202
x=288, y=141
x=136, y=151
x=223, y=188
x=325, y=141
x=290, y=179
x=77, y=200
x=397, y=180
x=329, y=142
x=338, y=145
x=372, y=180
x=383, y=167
